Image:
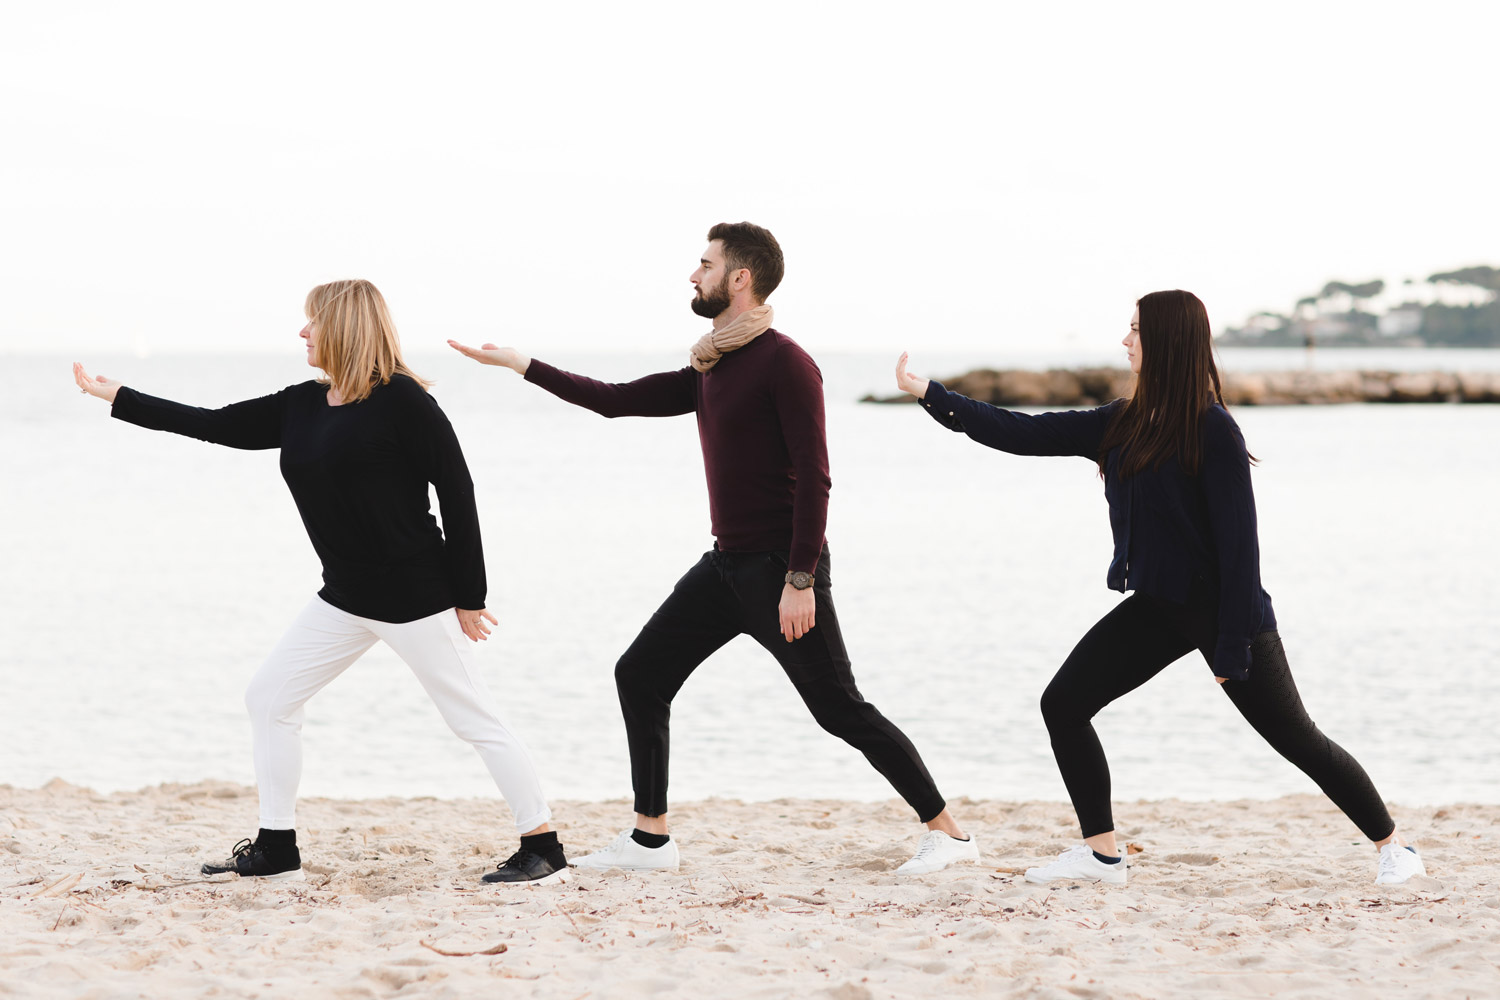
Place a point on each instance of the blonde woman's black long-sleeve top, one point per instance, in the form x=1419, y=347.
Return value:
x=1174, y=534
x=359, y=475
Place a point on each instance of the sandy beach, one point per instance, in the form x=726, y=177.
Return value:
x=100, y=897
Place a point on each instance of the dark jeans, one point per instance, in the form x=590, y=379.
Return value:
x=737, y=593
x=1135, y=642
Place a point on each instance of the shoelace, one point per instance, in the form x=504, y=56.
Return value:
x=928, y=845
x=516, y=859
x=1390, y=861
x=1075, y=851
x=241, y=849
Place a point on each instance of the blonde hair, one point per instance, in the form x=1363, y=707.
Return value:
x=357, y=346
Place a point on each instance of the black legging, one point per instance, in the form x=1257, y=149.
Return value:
x=728, y=594
x=1135, y=642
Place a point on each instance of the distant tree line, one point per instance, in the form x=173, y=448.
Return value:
x=1343, y=315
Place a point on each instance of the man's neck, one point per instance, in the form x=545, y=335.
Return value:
x=740, y=304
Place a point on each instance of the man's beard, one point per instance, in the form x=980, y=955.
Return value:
x=710, y=304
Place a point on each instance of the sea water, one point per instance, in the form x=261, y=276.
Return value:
x=145, y=576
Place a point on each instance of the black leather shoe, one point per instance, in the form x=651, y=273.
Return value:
x=530, y=868
x=252, y=860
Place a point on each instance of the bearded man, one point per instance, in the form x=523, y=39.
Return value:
x=758, y=398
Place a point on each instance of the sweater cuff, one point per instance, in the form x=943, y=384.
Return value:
x=939, y=405
x=801, y=560
x=1232, y=658
x=123, y=403
x=540, y=373
x=469, y=603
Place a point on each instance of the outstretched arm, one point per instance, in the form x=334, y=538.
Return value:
x=1068, y=432
x=253, y=424
x=666, y=394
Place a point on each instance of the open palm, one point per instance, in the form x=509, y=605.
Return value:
x=907, y=382
x=489, y=354
x=102, y=387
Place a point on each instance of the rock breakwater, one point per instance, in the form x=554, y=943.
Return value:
x=1094, y=386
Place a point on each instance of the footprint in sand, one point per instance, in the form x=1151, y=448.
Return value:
x=1192, y=858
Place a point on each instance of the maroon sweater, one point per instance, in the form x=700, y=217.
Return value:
x=760, y=421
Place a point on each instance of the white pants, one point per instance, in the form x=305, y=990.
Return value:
x=321, y=644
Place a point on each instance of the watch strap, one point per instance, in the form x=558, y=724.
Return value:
x=800, y=580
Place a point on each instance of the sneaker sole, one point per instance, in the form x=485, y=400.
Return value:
x=556, y=878
x=624, y=868
x=295, y=875
x=1072, y=878
x=929, y=871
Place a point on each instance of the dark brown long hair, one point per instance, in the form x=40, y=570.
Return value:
x=1177, y=383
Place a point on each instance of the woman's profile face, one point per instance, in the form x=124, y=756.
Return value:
x=1131, y=342
x=310, y=334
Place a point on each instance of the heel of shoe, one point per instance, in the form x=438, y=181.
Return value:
x=558, y=877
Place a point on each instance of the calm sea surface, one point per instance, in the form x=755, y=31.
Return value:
x=146, y=575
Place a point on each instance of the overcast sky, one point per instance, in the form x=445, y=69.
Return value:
x=176, y=176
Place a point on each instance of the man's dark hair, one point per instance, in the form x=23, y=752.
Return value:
x=753, y=248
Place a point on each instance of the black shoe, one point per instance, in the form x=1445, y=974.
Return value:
x=251, y=859
x=530, y=868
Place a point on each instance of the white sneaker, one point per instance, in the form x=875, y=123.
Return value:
x=937, y=851
x=1079, y=864
x=629, y=856
x=1397, y=864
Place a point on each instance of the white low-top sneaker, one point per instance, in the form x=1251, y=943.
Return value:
x=629, y=856
x=937, y=851
x=1397, y=864
x=1078, y=864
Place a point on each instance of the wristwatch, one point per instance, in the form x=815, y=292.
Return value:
x=800, y=580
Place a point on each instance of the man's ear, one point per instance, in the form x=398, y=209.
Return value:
x=741, y=279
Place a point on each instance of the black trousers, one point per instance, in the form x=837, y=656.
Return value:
x=1135, y=642
x=735, y=593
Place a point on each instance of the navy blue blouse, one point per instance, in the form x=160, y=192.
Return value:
x=1175, y=534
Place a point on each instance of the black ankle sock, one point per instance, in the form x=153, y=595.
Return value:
x=276, y=840
x=1106, y=859
x=541, y=843
x=650, y=839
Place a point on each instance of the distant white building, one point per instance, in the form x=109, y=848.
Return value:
x=1402, y=321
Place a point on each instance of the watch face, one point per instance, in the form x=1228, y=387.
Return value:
x=801, y=580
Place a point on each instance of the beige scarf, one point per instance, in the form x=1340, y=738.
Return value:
x=714, y=344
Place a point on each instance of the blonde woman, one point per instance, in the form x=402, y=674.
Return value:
x=359, y=447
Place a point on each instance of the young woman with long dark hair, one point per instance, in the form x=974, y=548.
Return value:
x=1177, y=479
x=359, y=447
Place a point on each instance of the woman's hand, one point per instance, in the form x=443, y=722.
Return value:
x=102, y=387
x=489, y=354
x=1221, y=680
x=907, y=382
x=472, y=622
